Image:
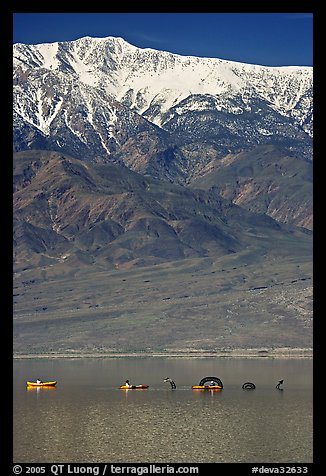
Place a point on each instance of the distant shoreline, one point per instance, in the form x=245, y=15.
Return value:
x=236, y=353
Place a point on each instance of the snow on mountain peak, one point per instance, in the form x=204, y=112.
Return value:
x=156, y=84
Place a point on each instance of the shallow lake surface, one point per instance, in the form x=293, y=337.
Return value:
x=87, y=418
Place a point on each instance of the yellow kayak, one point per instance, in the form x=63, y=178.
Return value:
x=206, y=387
x=42, y=384
x=126, y=387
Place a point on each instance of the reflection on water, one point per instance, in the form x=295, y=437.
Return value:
x=87, y=418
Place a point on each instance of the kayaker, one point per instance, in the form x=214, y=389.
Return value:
x=39, y=381
x=127, y=384
x=212, y=384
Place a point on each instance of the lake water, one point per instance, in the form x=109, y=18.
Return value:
x=87, y=418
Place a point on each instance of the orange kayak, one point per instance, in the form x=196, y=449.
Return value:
x=42, y=384
x=206, y=387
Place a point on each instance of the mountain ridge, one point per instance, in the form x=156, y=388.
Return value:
x=74, y=199
x=178, y=94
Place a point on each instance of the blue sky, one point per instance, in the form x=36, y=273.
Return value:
x=272, y=39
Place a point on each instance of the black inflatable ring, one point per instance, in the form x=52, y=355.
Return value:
x=249, y=386
x=211, y=379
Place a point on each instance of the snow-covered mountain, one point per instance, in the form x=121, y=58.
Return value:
x=95, y=243
x=90, y=96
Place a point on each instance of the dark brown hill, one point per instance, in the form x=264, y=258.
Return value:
x=63, y=206
x=266, y=179
x=107, y=259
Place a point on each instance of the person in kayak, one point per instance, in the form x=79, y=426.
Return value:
x=127, y=384
x=39, y=381
x=212, y=384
